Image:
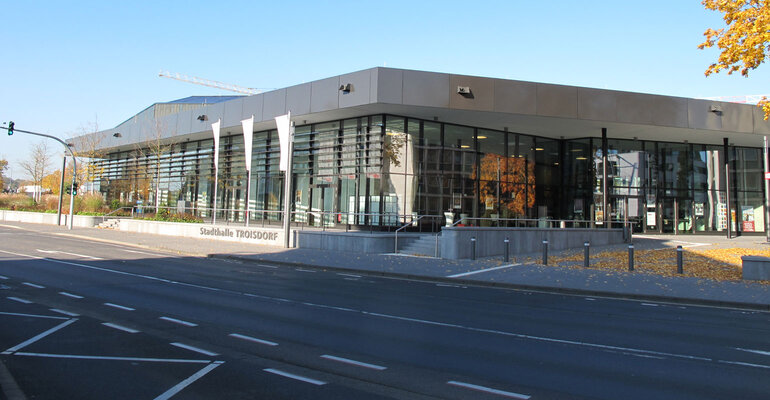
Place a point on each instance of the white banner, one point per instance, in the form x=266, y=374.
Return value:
x=248, y=134
x=283, y=122
x=215, y=128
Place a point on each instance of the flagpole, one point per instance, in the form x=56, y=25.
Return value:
x=287, y=187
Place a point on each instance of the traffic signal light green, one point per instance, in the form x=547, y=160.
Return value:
x=10, y=128
x=75, y=188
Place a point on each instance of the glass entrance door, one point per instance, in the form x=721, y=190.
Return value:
x=676, y=215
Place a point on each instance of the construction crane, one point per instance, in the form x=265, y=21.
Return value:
x=748, y=99
x=210, y=83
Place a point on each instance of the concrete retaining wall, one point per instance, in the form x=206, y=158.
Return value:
x=356, y=242
x=83, y=221
x=456, y=241
x=265, y=236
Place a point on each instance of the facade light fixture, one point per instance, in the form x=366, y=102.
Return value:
x=117, y=135
x=202, y=117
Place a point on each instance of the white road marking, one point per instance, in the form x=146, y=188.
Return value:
x=349, y=275
x=74, y=296
x=452, y=286
x=195, y=349
x=19, y=300
x=649, y=304
x=589, y=299
x=71, y=254
x=292, y=376
x=194, y=377
x=67, y=313
x=485, y=389
x=483, y=270
x=178, y=321
x=119, y=307
x=40, y=336
x=690, y=244
x=351, y=279
x=267, y=266
x=745, y=364
x=304, y=270
x=138, y=252
x=119, y=327
x=762, y=352
x=253, y=339
x=31, y=315
x=354, y=362
x=3, y=277
x=33, y=285
x=80, y=357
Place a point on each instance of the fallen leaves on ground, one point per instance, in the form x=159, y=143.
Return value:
x=715, y=264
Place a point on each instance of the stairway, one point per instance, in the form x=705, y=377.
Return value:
x=113, y=223
x=424, y=246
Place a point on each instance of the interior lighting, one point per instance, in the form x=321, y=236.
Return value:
x=481, y=137
x=539, y=149
x=464, y=146
x=581, y=158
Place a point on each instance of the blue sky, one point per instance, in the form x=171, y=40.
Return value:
x=66, y=64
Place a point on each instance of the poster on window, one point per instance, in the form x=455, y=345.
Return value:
x=747, y=219
x=651, y=218
x=698, y=209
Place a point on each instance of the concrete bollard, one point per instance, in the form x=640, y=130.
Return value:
x=507, y=249
x=473, y=248
x=587, y=246
x=545, y=252
x=679, y=261
x=630, y=257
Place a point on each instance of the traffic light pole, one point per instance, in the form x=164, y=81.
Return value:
x=74, y=164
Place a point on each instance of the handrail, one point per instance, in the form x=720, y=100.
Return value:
x=104, y=217
x=404, y=227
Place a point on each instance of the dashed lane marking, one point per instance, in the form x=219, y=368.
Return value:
x=33, y=285
x=485, y=389
x=296, y=377
x=178, y=321
x=762, y=352
x=304, y=270
x=354, y=362
x=24, y=301
x=649, y=304
x=74, y=296
x=119, y=327
x=3, y=277
x=118, y=306
x=195, y=349
x=63, y=312
x=267, y=266
x=71, y=254
x=252, y=339
x=349, y=275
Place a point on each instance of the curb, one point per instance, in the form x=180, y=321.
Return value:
x=515, y=286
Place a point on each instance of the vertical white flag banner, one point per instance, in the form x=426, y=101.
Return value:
x=215, y=128
x=283, y=122
x=248, y=134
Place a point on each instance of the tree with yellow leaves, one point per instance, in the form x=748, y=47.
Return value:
x=746, y=41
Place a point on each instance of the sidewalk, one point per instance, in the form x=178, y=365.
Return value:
x=529, y=276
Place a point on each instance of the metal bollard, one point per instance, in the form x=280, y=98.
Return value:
x=545, y=252
x=587, y=246
x=679, y=262
x=507, y=249
x=630, y=257
x=473, y=248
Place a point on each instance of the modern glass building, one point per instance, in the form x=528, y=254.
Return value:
x=382, y=146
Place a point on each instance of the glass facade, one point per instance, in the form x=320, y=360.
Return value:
x=384, y=170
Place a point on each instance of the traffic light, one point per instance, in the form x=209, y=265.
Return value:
x=75, y=188
x=10, y=128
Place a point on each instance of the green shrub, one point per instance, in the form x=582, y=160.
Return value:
x=92, y=202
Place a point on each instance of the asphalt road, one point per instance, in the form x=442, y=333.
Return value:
x=86, y=320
